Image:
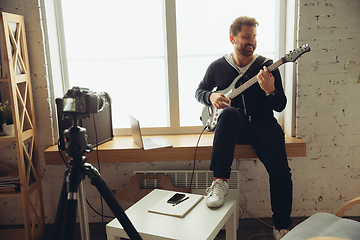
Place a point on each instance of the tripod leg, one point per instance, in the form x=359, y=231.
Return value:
x=70, y=219
x=73, y=179
x=111, y=201
x=83, y=214
x=59, y=217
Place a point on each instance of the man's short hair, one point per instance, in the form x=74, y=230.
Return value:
x=235, y=27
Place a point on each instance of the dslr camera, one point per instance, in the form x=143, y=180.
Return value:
x=77, y=104
x=82, y=101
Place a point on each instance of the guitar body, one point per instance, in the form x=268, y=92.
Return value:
x=210, y=114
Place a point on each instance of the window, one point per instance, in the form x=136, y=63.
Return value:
x=203, y=36
x=151, y=55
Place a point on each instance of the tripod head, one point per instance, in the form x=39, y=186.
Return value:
x=76, y=143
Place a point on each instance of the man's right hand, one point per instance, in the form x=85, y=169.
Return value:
x=219, y=100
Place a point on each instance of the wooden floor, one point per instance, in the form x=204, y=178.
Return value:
x=249, y=229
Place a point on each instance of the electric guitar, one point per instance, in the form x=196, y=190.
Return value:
x=210, y=114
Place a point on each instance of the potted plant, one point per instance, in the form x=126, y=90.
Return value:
x=7, y=117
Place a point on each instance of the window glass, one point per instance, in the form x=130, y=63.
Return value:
x=203, y=36
x=118, y=47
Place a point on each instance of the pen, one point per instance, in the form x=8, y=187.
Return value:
x=181, y=201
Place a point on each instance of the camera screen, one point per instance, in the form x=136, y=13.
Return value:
x=69, y=105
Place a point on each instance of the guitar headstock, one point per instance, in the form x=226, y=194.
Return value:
x=296, y=53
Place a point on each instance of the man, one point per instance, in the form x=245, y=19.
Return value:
x=248, y=119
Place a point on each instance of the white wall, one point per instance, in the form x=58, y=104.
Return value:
x=327, y=106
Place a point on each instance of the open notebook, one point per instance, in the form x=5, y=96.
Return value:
x=179, y=210
x=146, y=143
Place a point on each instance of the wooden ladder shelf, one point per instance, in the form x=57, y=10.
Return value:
x=16, y=73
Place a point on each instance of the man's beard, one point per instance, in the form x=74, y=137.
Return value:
x=245, y=51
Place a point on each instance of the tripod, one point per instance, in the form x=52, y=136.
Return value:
x=73, y=189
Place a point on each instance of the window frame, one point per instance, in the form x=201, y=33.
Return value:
x=56, y=55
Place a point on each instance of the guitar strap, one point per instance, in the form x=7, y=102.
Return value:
x=252, y=70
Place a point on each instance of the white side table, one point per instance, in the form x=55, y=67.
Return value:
x=200, y=223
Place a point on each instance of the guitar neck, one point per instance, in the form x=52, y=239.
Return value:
x=253, y=80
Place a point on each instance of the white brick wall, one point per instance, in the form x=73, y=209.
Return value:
x=328, y=114
x=328, y=107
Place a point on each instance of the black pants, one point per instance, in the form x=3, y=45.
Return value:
x=267, y=139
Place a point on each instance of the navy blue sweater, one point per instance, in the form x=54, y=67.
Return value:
x=254, y=102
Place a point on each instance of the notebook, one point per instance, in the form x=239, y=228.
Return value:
x=179, y=210
x=146, y=143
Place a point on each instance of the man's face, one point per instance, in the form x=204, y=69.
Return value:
x=245, y=41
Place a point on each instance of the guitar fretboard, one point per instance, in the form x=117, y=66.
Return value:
x=253, y=80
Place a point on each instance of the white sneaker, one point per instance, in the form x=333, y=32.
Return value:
x=278, y=234
x=216, y=193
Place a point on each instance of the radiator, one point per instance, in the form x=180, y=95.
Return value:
x=201, y=181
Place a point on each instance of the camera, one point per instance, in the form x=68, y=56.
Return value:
x=74, y=109
x=77, y=111
x=82, y=101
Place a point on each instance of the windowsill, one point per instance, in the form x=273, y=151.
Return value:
x=122, y=149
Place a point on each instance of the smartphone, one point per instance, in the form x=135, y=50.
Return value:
x=175, y=198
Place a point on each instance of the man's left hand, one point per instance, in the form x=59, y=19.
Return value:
x=266, y=80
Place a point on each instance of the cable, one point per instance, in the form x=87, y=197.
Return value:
x=243, y=208
x=98, y=161
x=62, y=157
x=97, y=143
x=98, y=212
x=197, y=144
x=256, y=217
x=259, y=235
